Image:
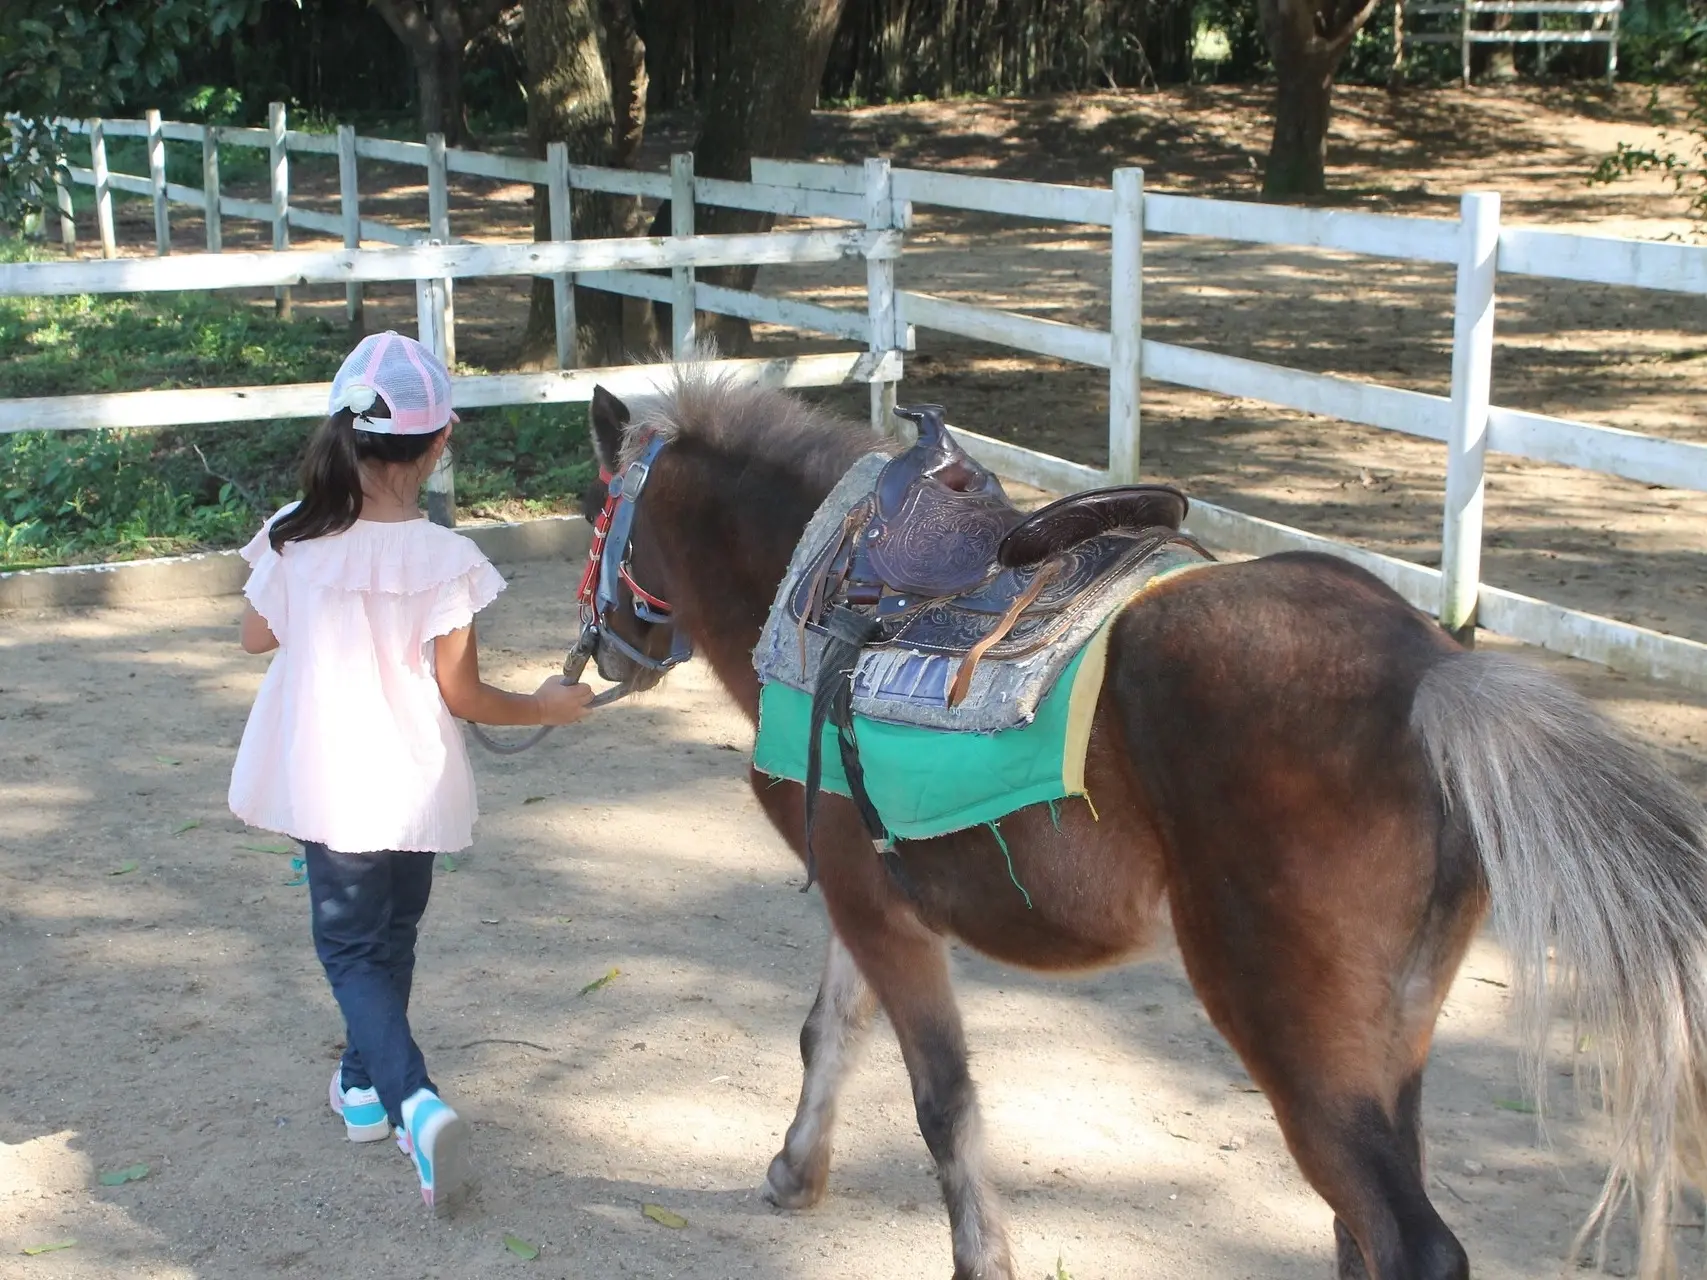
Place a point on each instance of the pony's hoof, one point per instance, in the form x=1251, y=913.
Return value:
x=786, y=1189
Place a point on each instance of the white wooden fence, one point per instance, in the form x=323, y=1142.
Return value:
x=554, y=174
x=879, y=199
x=1466, y=421
x=1602, y=17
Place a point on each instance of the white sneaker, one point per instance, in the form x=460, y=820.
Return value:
x=438, y=1143
x=363, y=1112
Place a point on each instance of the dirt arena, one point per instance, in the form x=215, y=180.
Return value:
x=166, y=1010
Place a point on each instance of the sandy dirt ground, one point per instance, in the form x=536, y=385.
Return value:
x=164, y=1008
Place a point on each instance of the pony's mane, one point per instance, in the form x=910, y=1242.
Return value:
x=740, y=418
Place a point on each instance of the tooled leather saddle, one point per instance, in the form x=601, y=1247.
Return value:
x=936, y=562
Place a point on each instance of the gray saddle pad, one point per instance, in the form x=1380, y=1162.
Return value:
x=905, y=678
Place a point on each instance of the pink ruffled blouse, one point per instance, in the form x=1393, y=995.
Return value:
x=350, y=743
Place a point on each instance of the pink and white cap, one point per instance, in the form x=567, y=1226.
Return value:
x=412, y=381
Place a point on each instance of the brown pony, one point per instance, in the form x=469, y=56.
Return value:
x=1322, y=790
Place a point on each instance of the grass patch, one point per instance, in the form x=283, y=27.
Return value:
x=72, y=497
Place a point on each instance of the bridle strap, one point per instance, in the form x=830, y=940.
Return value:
x=608, y=569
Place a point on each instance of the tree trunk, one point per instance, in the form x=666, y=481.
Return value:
x=430, y=92
x=1298, y=153
x=1501, y=62
x=763, y=88
x=1165, y=30
x=571, y=99
x=435, y=43
x=1307, y=40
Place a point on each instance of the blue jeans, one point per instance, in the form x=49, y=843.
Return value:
x=366, y=907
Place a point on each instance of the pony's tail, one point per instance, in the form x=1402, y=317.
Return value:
x=1592, y=853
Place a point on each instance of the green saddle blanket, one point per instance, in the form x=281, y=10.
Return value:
x=928, y=782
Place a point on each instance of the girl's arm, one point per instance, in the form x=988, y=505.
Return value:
x=255, y=635
x=456, y=659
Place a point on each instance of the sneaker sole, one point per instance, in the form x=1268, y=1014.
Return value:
x=453, y=1171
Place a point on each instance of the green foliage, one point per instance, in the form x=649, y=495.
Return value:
x=1229, y=45
x=1681, y=157
x=1663, y=41
x=77, y=58
x=72, y=496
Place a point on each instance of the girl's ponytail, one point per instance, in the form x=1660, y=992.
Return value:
x=331, y=484
x=332, y=473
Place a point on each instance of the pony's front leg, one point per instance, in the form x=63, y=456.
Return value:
x=919, y=1000
x=830, y=1041
x=906, y=965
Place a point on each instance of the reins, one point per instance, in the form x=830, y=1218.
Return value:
x=598, y=593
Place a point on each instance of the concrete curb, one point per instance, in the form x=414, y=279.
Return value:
x=222, y=573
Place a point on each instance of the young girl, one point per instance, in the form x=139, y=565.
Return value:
x=350, y=747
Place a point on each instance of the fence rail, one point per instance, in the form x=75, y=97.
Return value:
x=878, y=199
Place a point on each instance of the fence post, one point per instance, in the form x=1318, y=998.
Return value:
x=681, y=224
x=880, y=292
x=430, y=307
x=1467, y=433
x=103, y=188
x=1126, y=326
x=280, y=169
x=210, y=187
x=1464, y=43
x=62, y=196
x=157, y=181
x=438, y=227
x=562, y=286
x=349, y=201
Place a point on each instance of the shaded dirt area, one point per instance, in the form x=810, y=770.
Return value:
x=1624, y=358
x=172, y=1015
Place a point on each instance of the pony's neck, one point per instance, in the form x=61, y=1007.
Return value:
x=732, y=525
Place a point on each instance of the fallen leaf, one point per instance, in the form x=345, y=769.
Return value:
x=533, y=800
x=596, y=983
x=123, y=869
x=33, y=1249
x=168, y=760
x=450, y=862
x=662, y=1216
x=1513, y=1104
x=118, y=1177
x=521, y=1248
x=1061, y=1272
x=191, y=825
x=269, y=848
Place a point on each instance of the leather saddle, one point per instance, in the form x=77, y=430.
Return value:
x=936, y=564
x=940, y=558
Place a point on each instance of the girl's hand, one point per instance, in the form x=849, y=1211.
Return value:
x=562, y=703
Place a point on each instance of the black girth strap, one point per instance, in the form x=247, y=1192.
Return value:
x=832, y=703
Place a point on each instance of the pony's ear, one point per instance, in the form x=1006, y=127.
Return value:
x=609, y=418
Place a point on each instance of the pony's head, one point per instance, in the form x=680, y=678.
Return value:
x=629, y=629
x=704, y=489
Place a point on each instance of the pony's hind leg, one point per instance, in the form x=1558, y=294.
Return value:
x=830, y=1041
x=1346, y=1085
